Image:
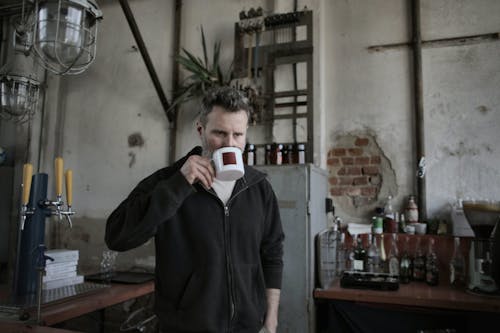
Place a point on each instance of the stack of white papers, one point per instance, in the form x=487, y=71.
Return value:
x=63, y=270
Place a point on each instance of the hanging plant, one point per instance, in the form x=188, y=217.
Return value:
x=203, y=74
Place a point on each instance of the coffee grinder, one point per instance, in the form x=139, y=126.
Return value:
x=484, y=259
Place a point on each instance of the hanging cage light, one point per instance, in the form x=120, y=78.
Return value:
x=18, y=97
x=64, y=35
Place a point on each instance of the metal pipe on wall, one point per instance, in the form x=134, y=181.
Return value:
x=145, y=55
x=419, y=108
x=175, y=79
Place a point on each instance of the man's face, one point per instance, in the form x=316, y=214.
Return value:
x=223, y=129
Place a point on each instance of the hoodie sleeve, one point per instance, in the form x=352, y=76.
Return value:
x=156, y=199
x=272, y=244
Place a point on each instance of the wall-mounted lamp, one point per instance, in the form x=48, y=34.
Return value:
x=18, y=97
x=64, y=36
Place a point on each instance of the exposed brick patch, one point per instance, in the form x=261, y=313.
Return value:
x=339, y=152
x=355, y=170
x=361, y=141
x=369, y=191
x=336, y=191
x=376, y=160
x=362, y=160
x=347, y=160
x=355, y=151
x=353, y=191
x=333, y=161
x=346, y=181
x=370, y=170
x=360, y=181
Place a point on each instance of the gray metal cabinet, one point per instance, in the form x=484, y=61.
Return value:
x=301, y=191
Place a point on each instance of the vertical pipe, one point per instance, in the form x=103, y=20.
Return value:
x=31, y=237
x=145, y=55
x=175, y=79
x=419, y=109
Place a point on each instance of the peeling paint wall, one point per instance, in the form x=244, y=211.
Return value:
x=371, y=92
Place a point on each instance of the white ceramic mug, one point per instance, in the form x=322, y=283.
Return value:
x=228, y=163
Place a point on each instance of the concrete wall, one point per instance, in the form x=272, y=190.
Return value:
x=357, y=93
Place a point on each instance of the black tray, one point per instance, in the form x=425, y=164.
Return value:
x=121, y=277
x=365, y=280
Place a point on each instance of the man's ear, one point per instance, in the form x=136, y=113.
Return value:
x=199, y=128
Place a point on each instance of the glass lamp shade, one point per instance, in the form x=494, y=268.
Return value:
x=18, y=97
x=65, y=34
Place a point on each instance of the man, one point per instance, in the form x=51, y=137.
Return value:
x=219, y=245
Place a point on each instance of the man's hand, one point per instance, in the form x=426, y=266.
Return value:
x=198, y=168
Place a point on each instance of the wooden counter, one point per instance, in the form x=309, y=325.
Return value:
x=72, y=307
x=415, y=294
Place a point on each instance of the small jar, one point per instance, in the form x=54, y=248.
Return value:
x=301, y=153
x=285, y=155
x=276, y=154
x=267, y=157
x=249, y=157
x=411, y=211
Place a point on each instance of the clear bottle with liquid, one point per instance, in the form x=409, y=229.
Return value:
x=431, y=265
x=341, y=255
x=383, y=256
x=405, y=264
x=457, y=266
x=419, y=262
x=372, y=255
x=393, y=256
x=359, y=256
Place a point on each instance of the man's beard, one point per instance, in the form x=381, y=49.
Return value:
x=207, y=152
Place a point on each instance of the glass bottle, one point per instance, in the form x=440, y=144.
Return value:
x=405, y=264
x=359, y=255
x=394, y=256
x=419, y=262
x=388, y=215
x=267, y=156
x=350, y=256
x=301, y=153
x=341, y=255
x=372, y=255
x=332, y=251
x=411, y=210
x=291, y=154
x=249, y=156
x=431, y=265
x=277, y=154
x=457, y=266
x=383, y=256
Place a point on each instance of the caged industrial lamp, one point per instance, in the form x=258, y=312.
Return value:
x=18, y=97
x=64, y=34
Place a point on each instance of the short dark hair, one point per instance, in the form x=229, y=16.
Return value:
x=231, y=99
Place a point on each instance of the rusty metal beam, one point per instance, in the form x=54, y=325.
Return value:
x=453, y=41
x=145, y=55
x=419, y=108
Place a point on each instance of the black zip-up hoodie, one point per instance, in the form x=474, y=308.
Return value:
x=213, y=261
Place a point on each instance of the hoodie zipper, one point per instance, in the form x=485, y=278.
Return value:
x=228, y=252
x=229, y=268
x=229, y=260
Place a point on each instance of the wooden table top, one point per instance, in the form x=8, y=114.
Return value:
x=72, y=307
x=415, y=294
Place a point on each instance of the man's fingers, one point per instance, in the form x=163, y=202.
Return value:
x=198, y=168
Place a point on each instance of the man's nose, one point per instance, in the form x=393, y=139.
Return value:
x=230, y=141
